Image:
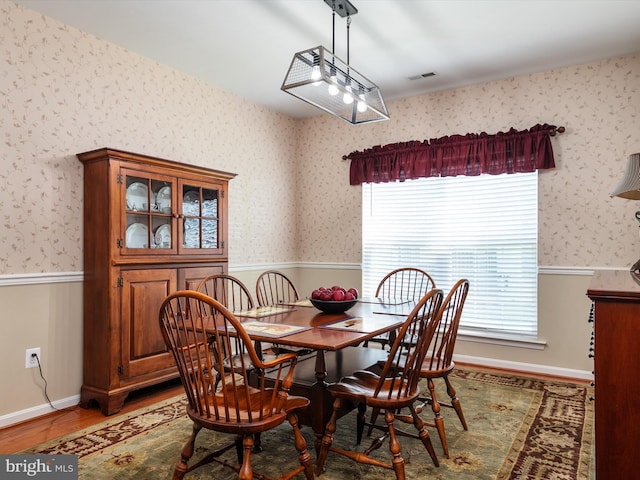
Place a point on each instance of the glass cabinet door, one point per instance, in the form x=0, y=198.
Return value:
x=200, y=219
x=148, y=203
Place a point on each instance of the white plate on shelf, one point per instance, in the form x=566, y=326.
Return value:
x=137, y=236
x=191, y=233
x=191, y=203
x=163, y=199
x=137, y=197
x=163, y=236
x=209, y=234
x=210, y=208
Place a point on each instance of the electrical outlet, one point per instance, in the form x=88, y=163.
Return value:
x=30, y=360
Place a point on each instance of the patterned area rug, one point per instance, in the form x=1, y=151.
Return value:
x=519, y=428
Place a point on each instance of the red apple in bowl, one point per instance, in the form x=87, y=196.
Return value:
x=326, y=295
x=338, y=295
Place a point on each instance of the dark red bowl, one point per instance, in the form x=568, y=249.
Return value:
x=332, y=306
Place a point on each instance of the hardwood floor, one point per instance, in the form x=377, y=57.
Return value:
x=21, y=436
x=16, y=438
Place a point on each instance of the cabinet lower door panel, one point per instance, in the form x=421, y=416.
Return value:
x=191, y=277
x=143, y=348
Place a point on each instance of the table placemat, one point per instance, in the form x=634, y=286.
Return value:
x=274, y=330
x=384, y=301
x=300, y=303
x=397, y=310
x=262, y=312
x=357, y=324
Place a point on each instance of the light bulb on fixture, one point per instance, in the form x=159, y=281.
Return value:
x=362, y=104
x=316, y=75
x=333, y=90
x=347, y=97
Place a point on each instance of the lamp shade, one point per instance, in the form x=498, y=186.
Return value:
x=629, y=186
x=320, y=78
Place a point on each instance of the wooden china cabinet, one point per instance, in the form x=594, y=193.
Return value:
x=151, y=227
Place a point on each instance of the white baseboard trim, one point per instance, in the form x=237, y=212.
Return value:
x=37, y=411
x=524, y=367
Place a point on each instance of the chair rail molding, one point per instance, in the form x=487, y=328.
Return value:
x=40, y=278
x=69, y=277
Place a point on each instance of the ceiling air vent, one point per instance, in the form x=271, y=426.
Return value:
x=423, y=75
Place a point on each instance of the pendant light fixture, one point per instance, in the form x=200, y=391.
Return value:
x=320, y=78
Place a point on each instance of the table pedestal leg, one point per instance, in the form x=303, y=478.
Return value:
x=319, y=394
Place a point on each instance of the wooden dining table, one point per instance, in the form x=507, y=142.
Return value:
x=333, y=339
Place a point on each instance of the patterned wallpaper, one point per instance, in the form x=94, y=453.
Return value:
x=579, y=224
x=63, y=92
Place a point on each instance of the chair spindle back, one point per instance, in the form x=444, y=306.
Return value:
x=228, y=290
x=402, y=368
x=409, y=282
x=274, y=288
x=440, y=352
x=199, y=330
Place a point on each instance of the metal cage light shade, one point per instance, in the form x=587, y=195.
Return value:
x=320, y=78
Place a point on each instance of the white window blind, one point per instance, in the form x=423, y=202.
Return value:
x=482, y=228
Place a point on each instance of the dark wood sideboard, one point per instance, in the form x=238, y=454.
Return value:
x=617, y=373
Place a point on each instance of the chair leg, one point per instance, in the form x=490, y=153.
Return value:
x=185, y=455
x=360, y=421
x=239, y=449
x=304, y=457
x=327, y=438
x=423, y=434
x=392, y=338
x=246, y=473
x=455, y=402
x=374, y=417
x=394, y=446
x=257, y=445
x=438, y=420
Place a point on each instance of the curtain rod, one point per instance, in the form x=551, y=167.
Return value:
x=552, y=133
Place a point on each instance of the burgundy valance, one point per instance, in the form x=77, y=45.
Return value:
x=471, y=154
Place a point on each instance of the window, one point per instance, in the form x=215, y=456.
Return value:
x=483, y=228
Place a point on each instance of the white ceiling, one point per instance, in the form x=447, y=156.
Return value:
x=246, y=46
